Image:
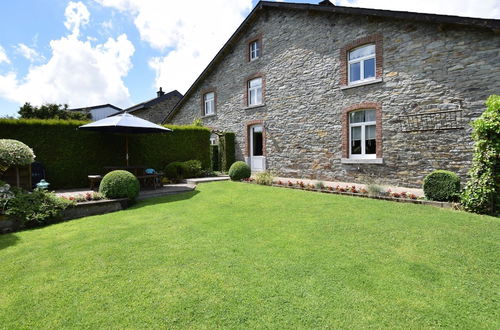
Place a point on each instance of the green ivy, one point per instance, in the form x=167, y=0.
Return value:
x=482, y=192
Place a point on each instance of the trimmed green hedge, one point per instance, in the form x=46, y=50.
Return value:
x=69, y=155
x=227, y=150
x=214, y=157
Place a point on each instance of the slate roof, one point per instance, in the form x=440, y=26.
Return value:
x=151, y=102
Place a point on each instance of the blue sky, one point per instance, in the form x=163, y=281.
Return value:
x=89, y=52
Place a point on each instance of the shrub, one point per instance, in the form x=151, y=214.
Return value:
x=264, y=178
x=226, y=150
x=239, y=171
x=191, y=169
x=37, y=207
x=319, y=185
x=120, y=184
x=443, y=186
x=5, y=195
x=374, y=190
x=482, y=192
x=14, y=153
x=214, y=157
x=173, y=171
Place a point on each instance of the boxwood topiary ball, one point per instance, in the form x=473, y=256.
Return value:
x=239, y=171
x=442, y=186
x=120, y=184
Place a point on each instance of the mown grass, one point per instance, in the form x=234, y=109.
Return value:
x=237, y=255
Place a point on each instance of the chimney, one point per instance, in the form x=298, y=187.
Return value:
x=160, y=92
x=326, y=3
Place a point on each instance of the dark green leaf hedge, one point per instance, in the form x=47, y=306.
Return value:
x=69, y=155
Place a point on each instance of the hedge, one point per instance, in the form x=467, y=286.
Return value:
x=227, y=150
x=69, y=155
x=214, y=157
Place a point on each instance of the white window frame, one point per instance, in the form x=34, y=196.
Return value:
x=254, y=50
x=363, y=125
x=213, y=139
x=361, y=61
x=209, y=103
x=255, y=90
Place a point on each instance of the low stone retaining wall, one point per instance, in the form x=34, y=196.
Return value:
x=454, y=206
x=79, y=210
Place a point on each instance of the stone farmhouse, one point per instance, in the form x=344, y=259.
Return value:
x=349, y=94
x=155, y=109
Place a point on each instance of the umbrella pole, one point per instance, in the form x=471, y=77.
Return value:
x=126, y=148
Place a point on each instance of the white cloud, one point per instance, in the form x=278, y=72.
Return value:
x=76, y=14
x=468, y=8
x=3, y=56
x=190, y=32
x=77, y=73
x=29, y=53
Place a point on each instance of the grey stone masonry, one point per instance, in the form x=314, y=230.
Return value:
x=432, y=81
x=156, y=113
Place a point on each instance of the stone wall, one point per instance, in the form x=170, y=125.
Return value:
x=426, y=68
x=157, y=112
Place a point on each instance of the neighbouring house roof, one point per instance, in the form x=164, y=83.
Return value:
x=328, y=7
x=149, y=103
x=96, y=107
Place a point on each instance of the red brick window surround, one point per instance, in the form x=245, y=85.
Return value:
x=247, y=127
x=252, y=89
x=254, y=48
x=377, y=41
x=206, y=103
x=346, y=127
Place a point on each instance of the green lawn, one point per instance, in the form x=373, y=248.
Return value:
x=237, y=255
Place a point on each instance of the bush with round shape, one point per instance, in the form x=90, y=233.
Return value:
x=120, y=184
x=239, y=171
x=14, y=153
x=442, y=186
x=174, y=171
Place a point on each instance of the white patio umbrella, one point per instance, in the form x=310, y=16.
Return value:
x=124, y=123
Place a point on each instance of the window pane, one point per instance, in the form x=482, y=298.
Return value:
x=362, y=52
x=370, y=132
x=354, y=71
x=255, y=82
x=370, y=147
x=369, y=68
x=251, y=97
x=356, y=140
x=258, y=96
x=369, y=115
x=357, y=117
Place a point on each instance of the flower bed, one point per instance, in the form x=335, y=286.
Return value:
x=388, y=195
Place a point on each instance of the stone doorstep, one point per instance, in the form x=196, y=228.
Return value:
x=454, y=206
x=208, y=179
x=417, y=192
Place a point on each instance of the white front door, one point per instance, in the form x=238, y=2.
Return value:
x=257, y=159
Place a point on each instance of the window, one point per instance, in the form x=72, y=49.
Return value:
x=214, y=139
x=255, y=91
x=254, y=49
x=361, y=64
x=209, y=103
x=362, y=134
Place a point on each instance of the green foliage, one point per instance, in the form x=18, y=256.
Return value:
x=264, y=178
x=14, y=153
x=37, y=207
x=69, y=155
x=177, y=171
x=51, y=111
x=227, y=150
x=120, y=184
x=374, y=189
x=443, y=186
x=319, y=185
x=198, y=122
x=214, y=158
x=482, y=192
x=6, y=194
x=239, y=171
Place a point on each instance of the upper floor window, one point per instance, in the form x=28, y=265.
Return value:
x=361, y=64
x=209, y=103
x=255, y=91
x=214, y=139
x=362, y=134
x=254, y=49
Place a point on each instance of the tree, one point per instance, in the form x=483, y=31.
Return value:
x=51, y=111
